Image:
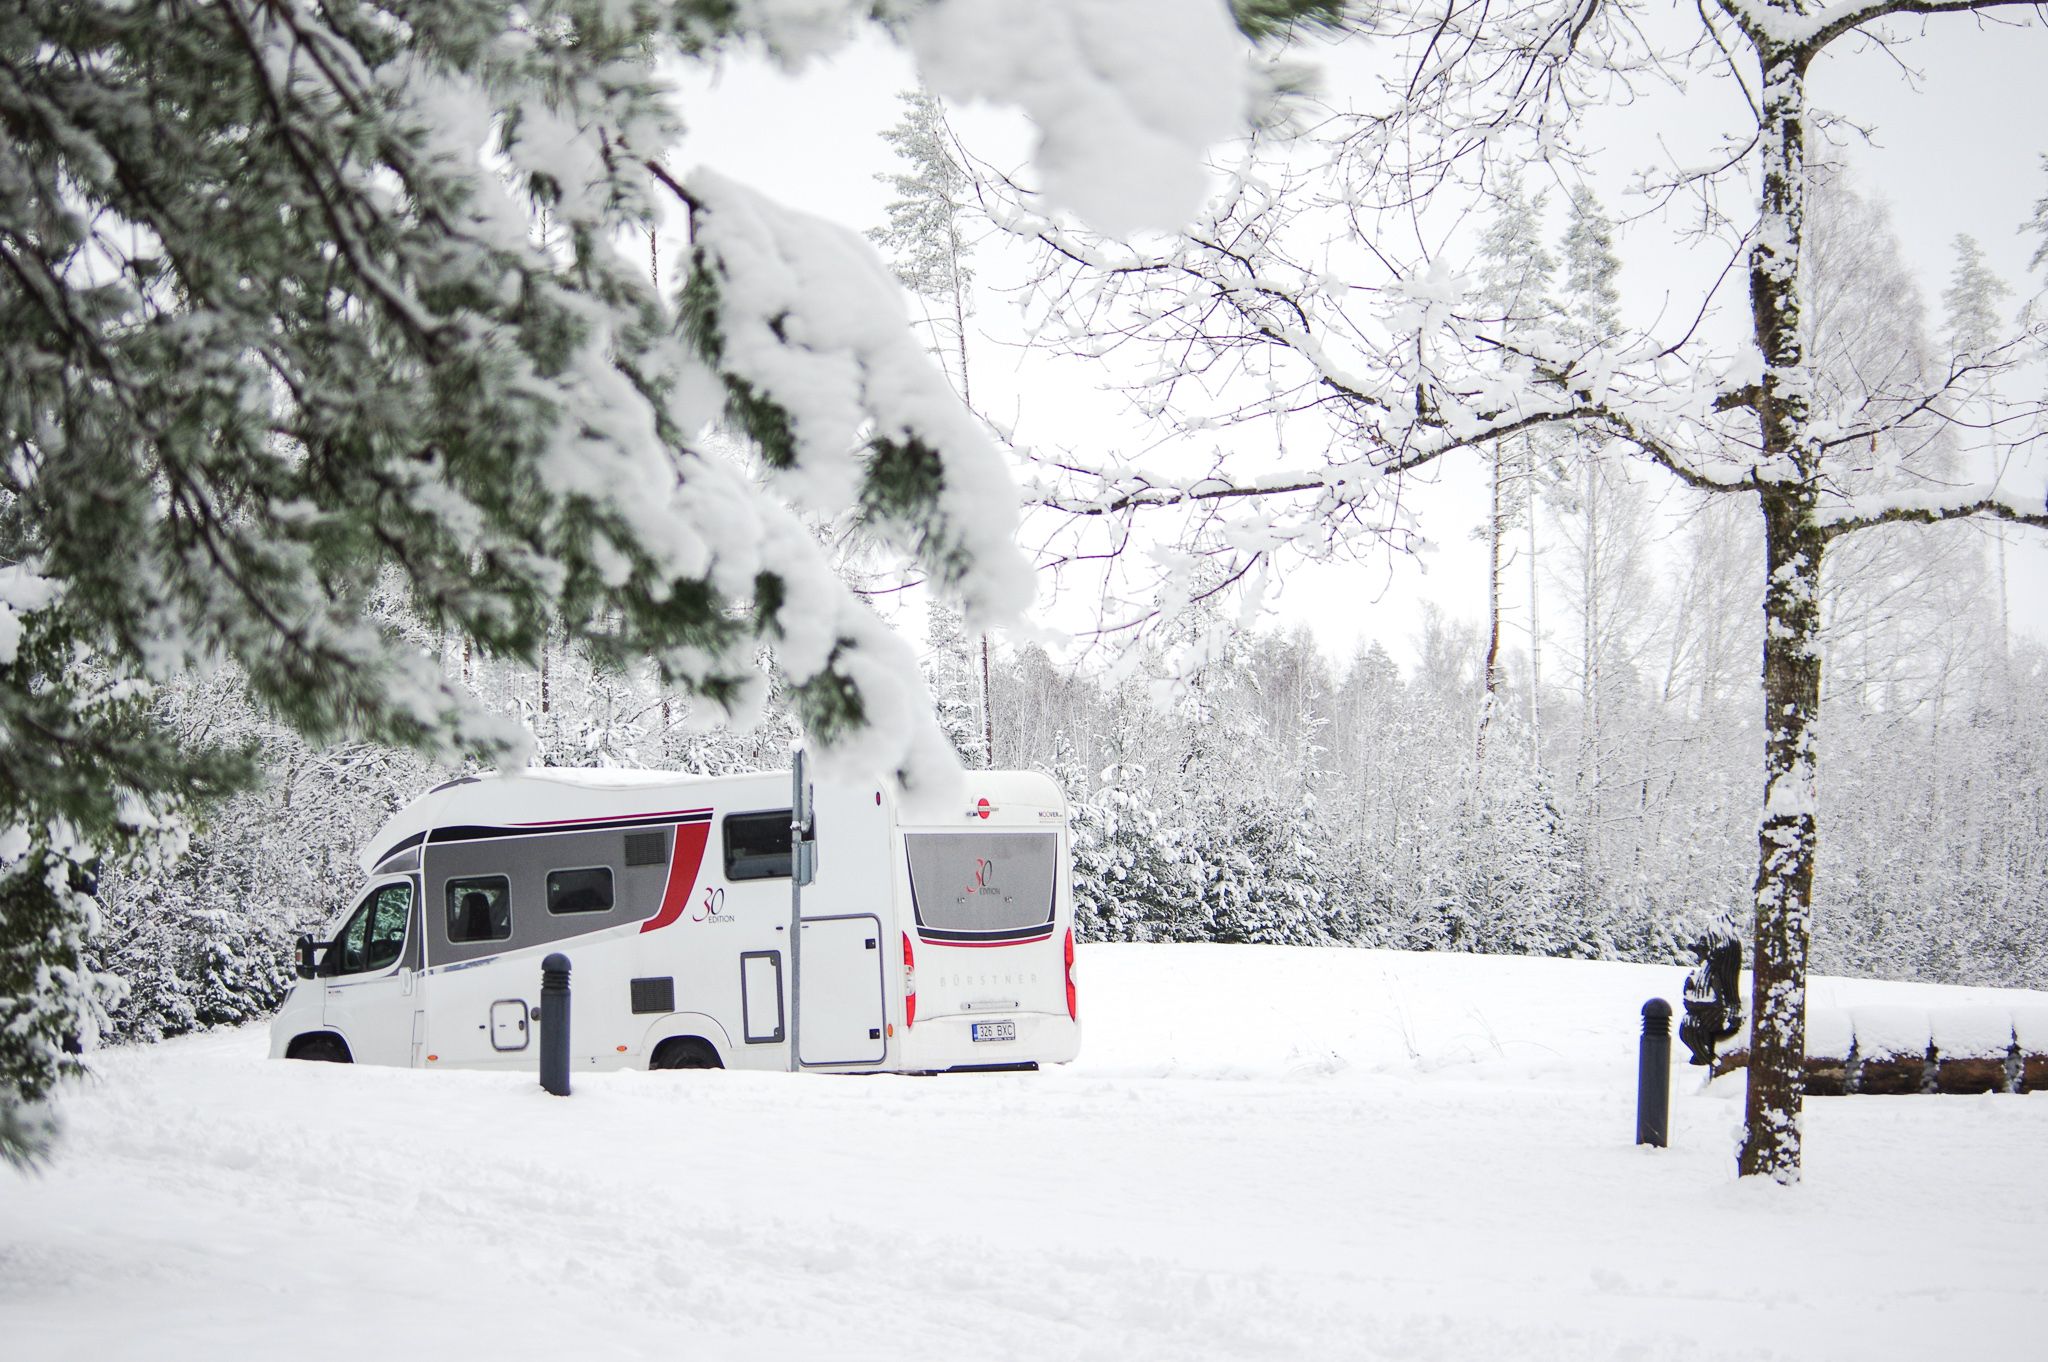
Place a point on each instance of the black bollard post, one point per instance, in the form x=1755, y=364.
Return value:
x=554, y=1024
x=1653, y=1076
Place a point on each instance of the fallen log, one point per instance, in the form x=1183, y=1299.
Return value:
x=2029, y=1060
x=1830, y=1046
x=1970, y=1047
x=1890, y=1051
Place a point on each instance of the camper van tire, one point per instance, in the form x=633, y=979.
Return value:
x=686, y=1052
x=931, y=938
x=321, y=1045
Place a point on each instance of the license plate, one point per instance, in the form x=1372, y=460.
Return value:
x=996, y=1030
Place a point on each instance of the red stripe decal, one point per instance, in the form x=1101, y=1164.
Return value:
x=614, y=818
x=682, y=874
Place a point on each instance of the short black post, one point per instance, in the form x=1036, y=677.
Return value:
x=554, y=1024
x=1653, y=1076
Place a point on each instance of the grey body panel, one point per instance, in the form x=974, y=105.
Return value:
x=525, y=860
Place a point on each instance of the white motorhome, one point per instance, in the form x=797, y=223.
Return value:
x=926, y=946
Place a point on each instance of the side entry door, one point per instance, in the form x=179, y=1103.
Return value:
x=372, y=972
x=839, y=991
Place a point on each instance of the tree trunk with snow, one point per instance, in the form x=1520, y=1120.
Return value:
x=1786, y=839
x=1496, y=521
x=1589, y=665
x=1791, y=671
x=988, y=715
x=1535, y=630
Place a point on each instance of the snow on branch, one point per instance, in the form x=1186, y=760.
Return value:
x=1127, y=95
x=1470, y=76
x=1928, y=507
x=1234, y=329
x=1784, y=26
x=811, y=343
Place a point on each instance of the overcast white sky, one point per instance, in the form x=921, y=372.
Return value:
x=1956, y=146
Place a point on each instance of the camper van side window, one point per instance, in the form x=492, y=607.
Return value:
x=757, y=845
x=480, y=909
x=580, y=891
x=346, y=955
x=387, y=926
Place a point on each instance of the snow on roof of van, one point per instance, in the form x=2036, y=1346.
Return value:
x=602, y=778
x=494, y=788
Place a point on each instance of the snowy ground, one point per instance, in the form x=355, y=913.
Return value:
x=1262, y=1152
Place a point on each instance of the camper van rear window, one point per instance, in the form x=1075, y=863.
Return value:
x=757, y=845
x=480, y=909
x=982, y=882
x=580, y=891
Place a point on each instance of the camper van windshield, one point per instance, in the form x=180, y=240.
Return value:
x=982, y=881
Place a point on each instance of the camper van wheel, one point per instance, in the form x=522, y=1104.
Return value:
x=685, y=1052
x=321, y=1045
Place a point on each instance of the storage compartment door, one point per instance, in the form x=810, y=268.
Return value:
x=839, y=990
x=508, y=1024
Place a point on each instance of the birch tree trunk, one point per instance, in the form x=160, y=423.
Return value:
x=1791, y=666
x=1786, y=838
x=1589, y=669
x=1535, y=629
x=1494, y=520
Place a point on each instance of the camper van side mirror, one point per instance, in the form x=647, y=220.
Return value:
x=305, y=953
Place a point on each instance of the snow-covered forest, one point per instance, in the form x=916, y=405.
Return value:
x=1289, y=797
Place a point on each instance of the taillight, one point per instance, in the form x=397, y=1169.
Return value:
x=910, y=984
x=1073, y=1001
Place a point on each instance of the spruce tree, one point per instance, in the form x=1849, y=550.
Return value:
x=1973, y=324
x=1971, y=300
x=1583, y=491
x=954, y=681
x=2038, y=224
x=1514, y=276
x=927, y=243
x=1592, y=301
x=926, y=240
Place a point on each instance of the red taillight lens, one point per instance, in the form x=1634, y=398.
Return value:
x=1073, y=1000
x=910, y=984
